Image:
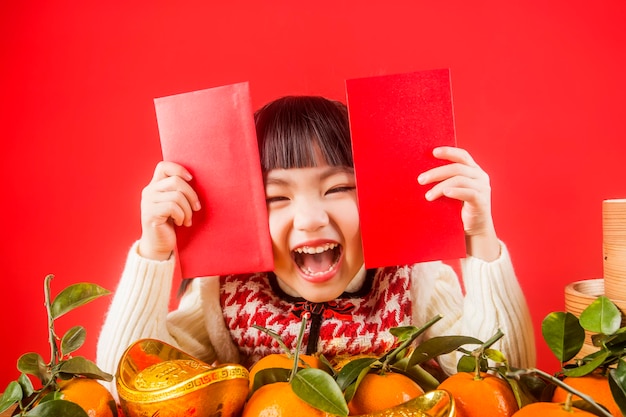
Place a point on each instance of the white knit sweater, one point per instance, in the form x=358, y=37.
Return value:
x=140, y=309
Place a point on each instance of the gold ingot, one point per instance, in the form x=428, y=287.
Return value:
x=436, y=403
x=155, y=378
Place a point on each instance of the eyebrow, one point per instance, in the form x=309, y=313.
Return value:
x=333, y=170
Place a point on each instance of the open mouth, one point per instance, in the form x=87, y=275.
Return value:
x=317, y=260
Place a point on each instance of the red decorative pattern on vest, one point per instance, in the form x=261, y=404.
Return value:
x=249, y=299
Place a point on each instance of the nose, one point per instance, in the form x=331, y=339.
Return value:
x=310, y=216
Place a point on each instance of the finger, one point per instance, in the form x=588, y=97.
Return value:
x=461, y=188
x=467, y=195
x=159, y=213
x=182, y=210
x=175, y=184
x=166, y=169
x=451, y=170
x=176, y=212
x=454, y=154
x=159, y=206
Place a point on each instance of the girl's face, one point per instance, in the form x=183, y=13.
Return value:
x=314, y=225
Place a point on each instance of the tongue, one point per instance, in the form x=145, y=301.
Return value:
x=318, y=262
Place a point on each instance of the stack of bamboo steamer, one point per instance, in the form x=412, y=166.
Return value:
x=578, y=295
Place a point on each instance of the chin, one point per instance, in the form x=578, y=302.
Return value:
x=320, y=296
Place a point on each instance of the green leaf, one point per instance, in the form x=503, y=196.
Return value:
x=351, y=389
x=351, y=370
x=439, y=345
x=601, y=316
x=33, y=364
x=12, y=394
x=26, y=384
x=78, y=365
x=467, y=363
x=52, y=395
x=75, y=296
x=563, y=335
x=588, y=367
x=495, y=355
x=327, y=365
x=269, y=376
x=526, y=388
x=56, y=408
x=72, y=340
x=403, y=333
x=617, y=383
x=617, y=341
x=320, y=390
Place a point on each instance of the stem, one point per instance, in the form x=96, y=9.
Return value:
x=568, y=402
x=390, y=357
x=296, y=355
x=478, y=352
x=492, y=340
x=563, y=385
x=54, y=352
x=276, y=337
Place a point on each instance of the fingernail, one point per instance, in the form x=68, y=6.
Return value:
x=429, y=195
x=421, y=179
x=197, y=206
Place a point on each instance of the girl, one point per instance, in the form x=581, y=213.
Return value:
x=306, y=159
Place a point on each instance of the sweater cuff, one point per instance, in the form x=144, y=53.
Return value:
x=471, y=261
x=478, y=273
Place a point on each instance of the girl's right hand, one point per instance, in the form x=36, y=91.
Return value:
x=166, y=201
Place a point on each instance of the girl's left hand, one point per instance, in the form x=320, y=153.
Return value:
x=463, y=179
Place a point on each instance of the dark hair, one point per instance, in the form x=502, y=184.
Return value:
x=292, y=129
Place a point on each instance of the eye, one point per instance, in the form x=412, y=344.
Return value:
x=275, y=199
x=341, y=189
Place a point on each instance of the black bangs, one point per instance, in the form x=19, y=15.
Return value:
x=294, y=131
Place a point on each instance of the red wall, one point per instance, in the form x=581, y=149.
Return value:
x=539, y=99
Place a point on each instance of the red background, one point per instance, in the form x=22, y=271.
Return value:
x=539, y=100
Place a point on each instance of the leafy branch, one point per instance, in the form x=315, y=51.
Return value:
x=564, y=334
x=61, y=366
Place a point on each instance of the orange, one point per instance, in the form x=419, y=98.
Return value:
x=378, y=392
x=545, y=409
x=595, y=385
x=278, y=400
x=487, y=396
x=281, y=360
x=92, y=396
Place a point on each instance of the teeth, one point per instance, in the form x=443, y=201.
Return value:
x=310, y=272
x=312, y=250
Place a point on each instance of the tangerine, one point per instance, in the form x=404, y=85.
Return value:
x=90, y=395
x=546, y=409
x=281, y=360
x=486, y=395
x=278, y=400
x=377, y=392
x=595, y=385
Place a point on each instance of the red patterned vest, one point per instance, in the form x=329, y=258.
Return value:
x=354, y=323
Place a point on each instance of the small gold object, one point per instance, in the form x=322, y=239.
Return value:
x=154, y=378
x=436, y=403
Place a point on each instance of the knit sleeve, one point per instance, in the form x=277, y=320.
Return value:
x=493, y=300
x=140, y=309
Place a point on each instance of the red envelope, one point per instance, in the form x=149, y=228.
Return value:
x=211, y=132
x=396, y=121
